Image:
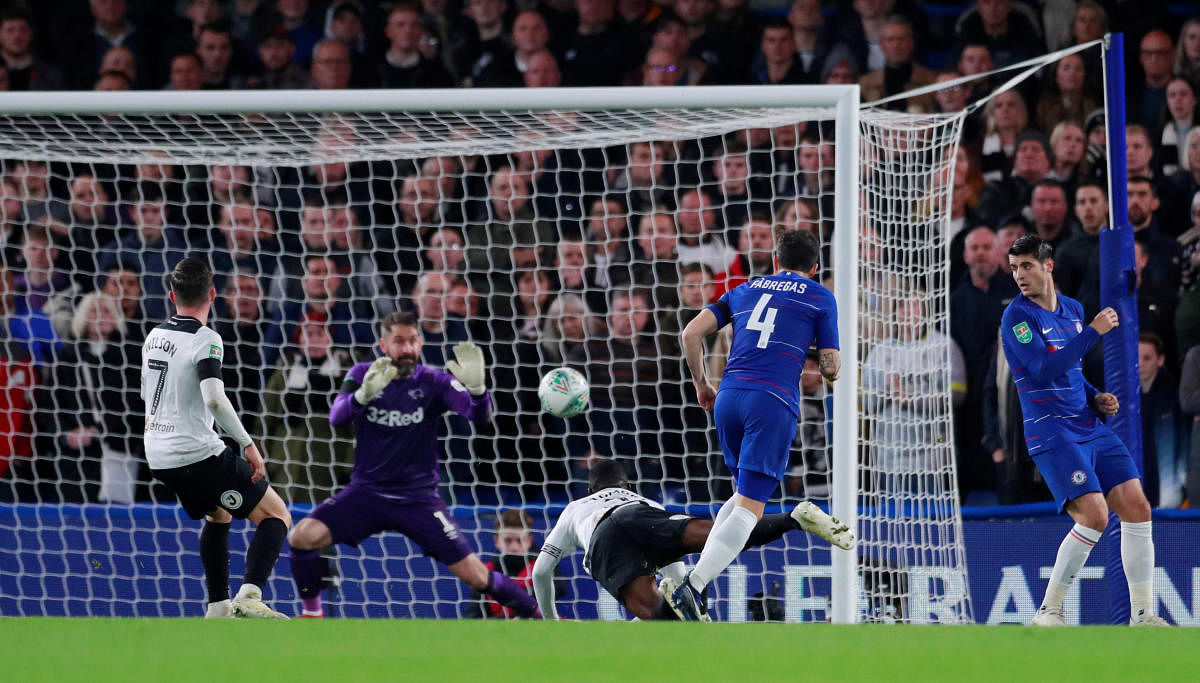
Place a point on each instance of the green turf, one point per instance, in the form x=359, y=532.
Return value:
x=169, y=650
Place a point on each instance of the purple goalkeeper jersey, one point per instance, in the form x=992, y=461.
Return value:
x=396, y=448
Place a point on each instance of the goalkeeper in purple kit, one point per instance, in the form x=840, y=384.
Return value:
x=394, y=405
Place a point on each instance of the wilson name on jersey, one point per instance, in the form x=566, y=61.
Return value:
x=176, y=356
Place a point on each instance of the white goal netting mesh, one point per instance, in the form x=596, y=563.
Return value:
x=580, y=238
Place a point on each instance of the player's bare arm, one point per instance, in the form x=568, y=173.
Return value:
x=830, y=362
x=704, y=324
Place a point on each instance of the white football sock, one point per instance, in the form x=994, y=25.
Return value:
x=1137, y=559
x=1072, y=553
x=724, y=543
x=723, y=513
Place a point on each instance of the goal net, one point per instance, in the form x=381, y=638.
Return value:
x=584, y=231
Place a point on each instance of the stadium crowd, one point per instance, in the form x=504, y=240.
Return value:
x=594, y=258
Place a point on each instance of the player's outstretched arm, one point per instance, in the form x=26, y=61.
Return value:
x=830, y=362
x=1026, y=348
x=213, y=391
x=692, y=339
x=543, y=583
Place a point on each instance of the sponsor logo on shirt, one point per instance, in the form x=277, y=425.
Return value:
x=1024, y=334
x=214, y=351
x=394, y=418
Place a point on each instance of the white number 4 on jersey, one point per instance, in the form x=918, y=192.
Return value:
x=762, y=319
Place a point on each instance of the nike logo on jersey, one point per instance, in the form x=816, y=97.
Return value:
x=1047, y=330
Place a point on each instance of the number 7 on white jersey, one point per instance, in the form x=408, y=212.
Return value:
x=762, y=319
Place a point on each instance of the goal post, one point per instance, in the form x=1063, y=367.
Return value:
x=883, y=192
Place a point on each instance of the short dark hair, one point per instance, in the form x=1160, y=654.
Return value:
x=606, y=474
x=1051, y=183
x=776, y=22
x=1032, y=245
x=1092, y=183
x=797, y=250
x=149, y=191
x=404, y=318
x=1153, y=340
x=693, y=268
x=513, y=518
x=191, y=281
x=1143, y=179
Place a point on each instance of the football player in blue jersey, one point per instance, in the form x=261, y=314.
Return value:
x=1087, y=468
x=775, y=320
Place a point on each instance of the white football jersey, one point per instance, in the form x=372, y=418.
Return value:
x=578, y=521
x=176, y=356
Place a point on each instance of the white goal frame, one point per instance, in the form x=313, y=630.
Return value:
x=842, y=98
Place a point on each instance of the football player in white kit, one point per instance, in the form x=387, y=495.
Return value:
x=184, y=395
x=629, y=538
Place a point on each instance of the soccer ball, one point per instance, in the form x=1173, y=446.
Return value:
x=563, y=392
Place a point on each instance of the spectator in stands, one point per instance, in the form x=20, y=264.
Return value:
x=32, y=180
x=1165, y=432
x=398, y=245
x=1065, y=96
x=964, y=202
x=403, y=65
x=799, y=214
x=601, y=50
x=541, y=71
x=309, y=459
x=975, y=59
x=655, y=263
x=112, y=80
x=240, y=320
x=120, y=60
x=185, y=33
x=516, y=554
x=816, y=176
x=737, y=29
x=244, y=242
x=781, y=64
x=331, y=65
x=90, y=402
x=840, y=67
x=1187, y=53
x=1156, y=310
x=1139, y=152
x=158, y=247
x=977, y=302
x=1089, y=23
x=699, y=237
x=488, y=43
x=26, y=71
x=506, y=69
x=899, y=72
x=326, y=299
x=214, y=47
x=671, y=36
x=645, y=177
x=608, y=242
x=1007, y=117
x=1181, y=187
x=624, y=373
x=860, y=31
x=295, y=18
x=187, y=72
x=82, y=44
x=506, y=223
x=1148, y=95
x=755, y=256
x=898, y=374
x=1181, y=110
x=1009, y=32
x=697, y=289
x=736, y=191
x=1189, y=403
x=1162, y=272
x=808, y=473
x=1068, y=145
x=808, y=34
x=444, y=252
x=1004, y=436
x=1031, y=165
x=28, y=323
x=1048, y=208
x=91, y=221
x=440, y=331
x=344, y=23
x=660, y=69
x=575, y=276
x=278, y=71
x=1077, y=262
x=1189, y=241
x=328, y=230
x=569, y=324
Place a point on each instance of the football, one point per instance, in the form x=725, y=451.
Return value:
x=563, y=392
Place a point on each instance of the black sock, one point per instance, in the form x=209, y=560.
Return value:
x=663, y=612
x=770, y=528
x=264, y=550
x=214, y=556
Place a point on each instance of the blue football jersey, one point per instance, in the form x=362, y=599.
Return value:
x=775, y=319
x=1043, y=349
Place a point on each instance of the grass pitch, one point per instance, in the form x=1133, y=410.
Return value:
x=170, y=650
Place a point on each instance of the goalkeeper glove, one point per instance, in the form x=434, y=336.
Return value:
x=467, y=367
x=377, y=378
